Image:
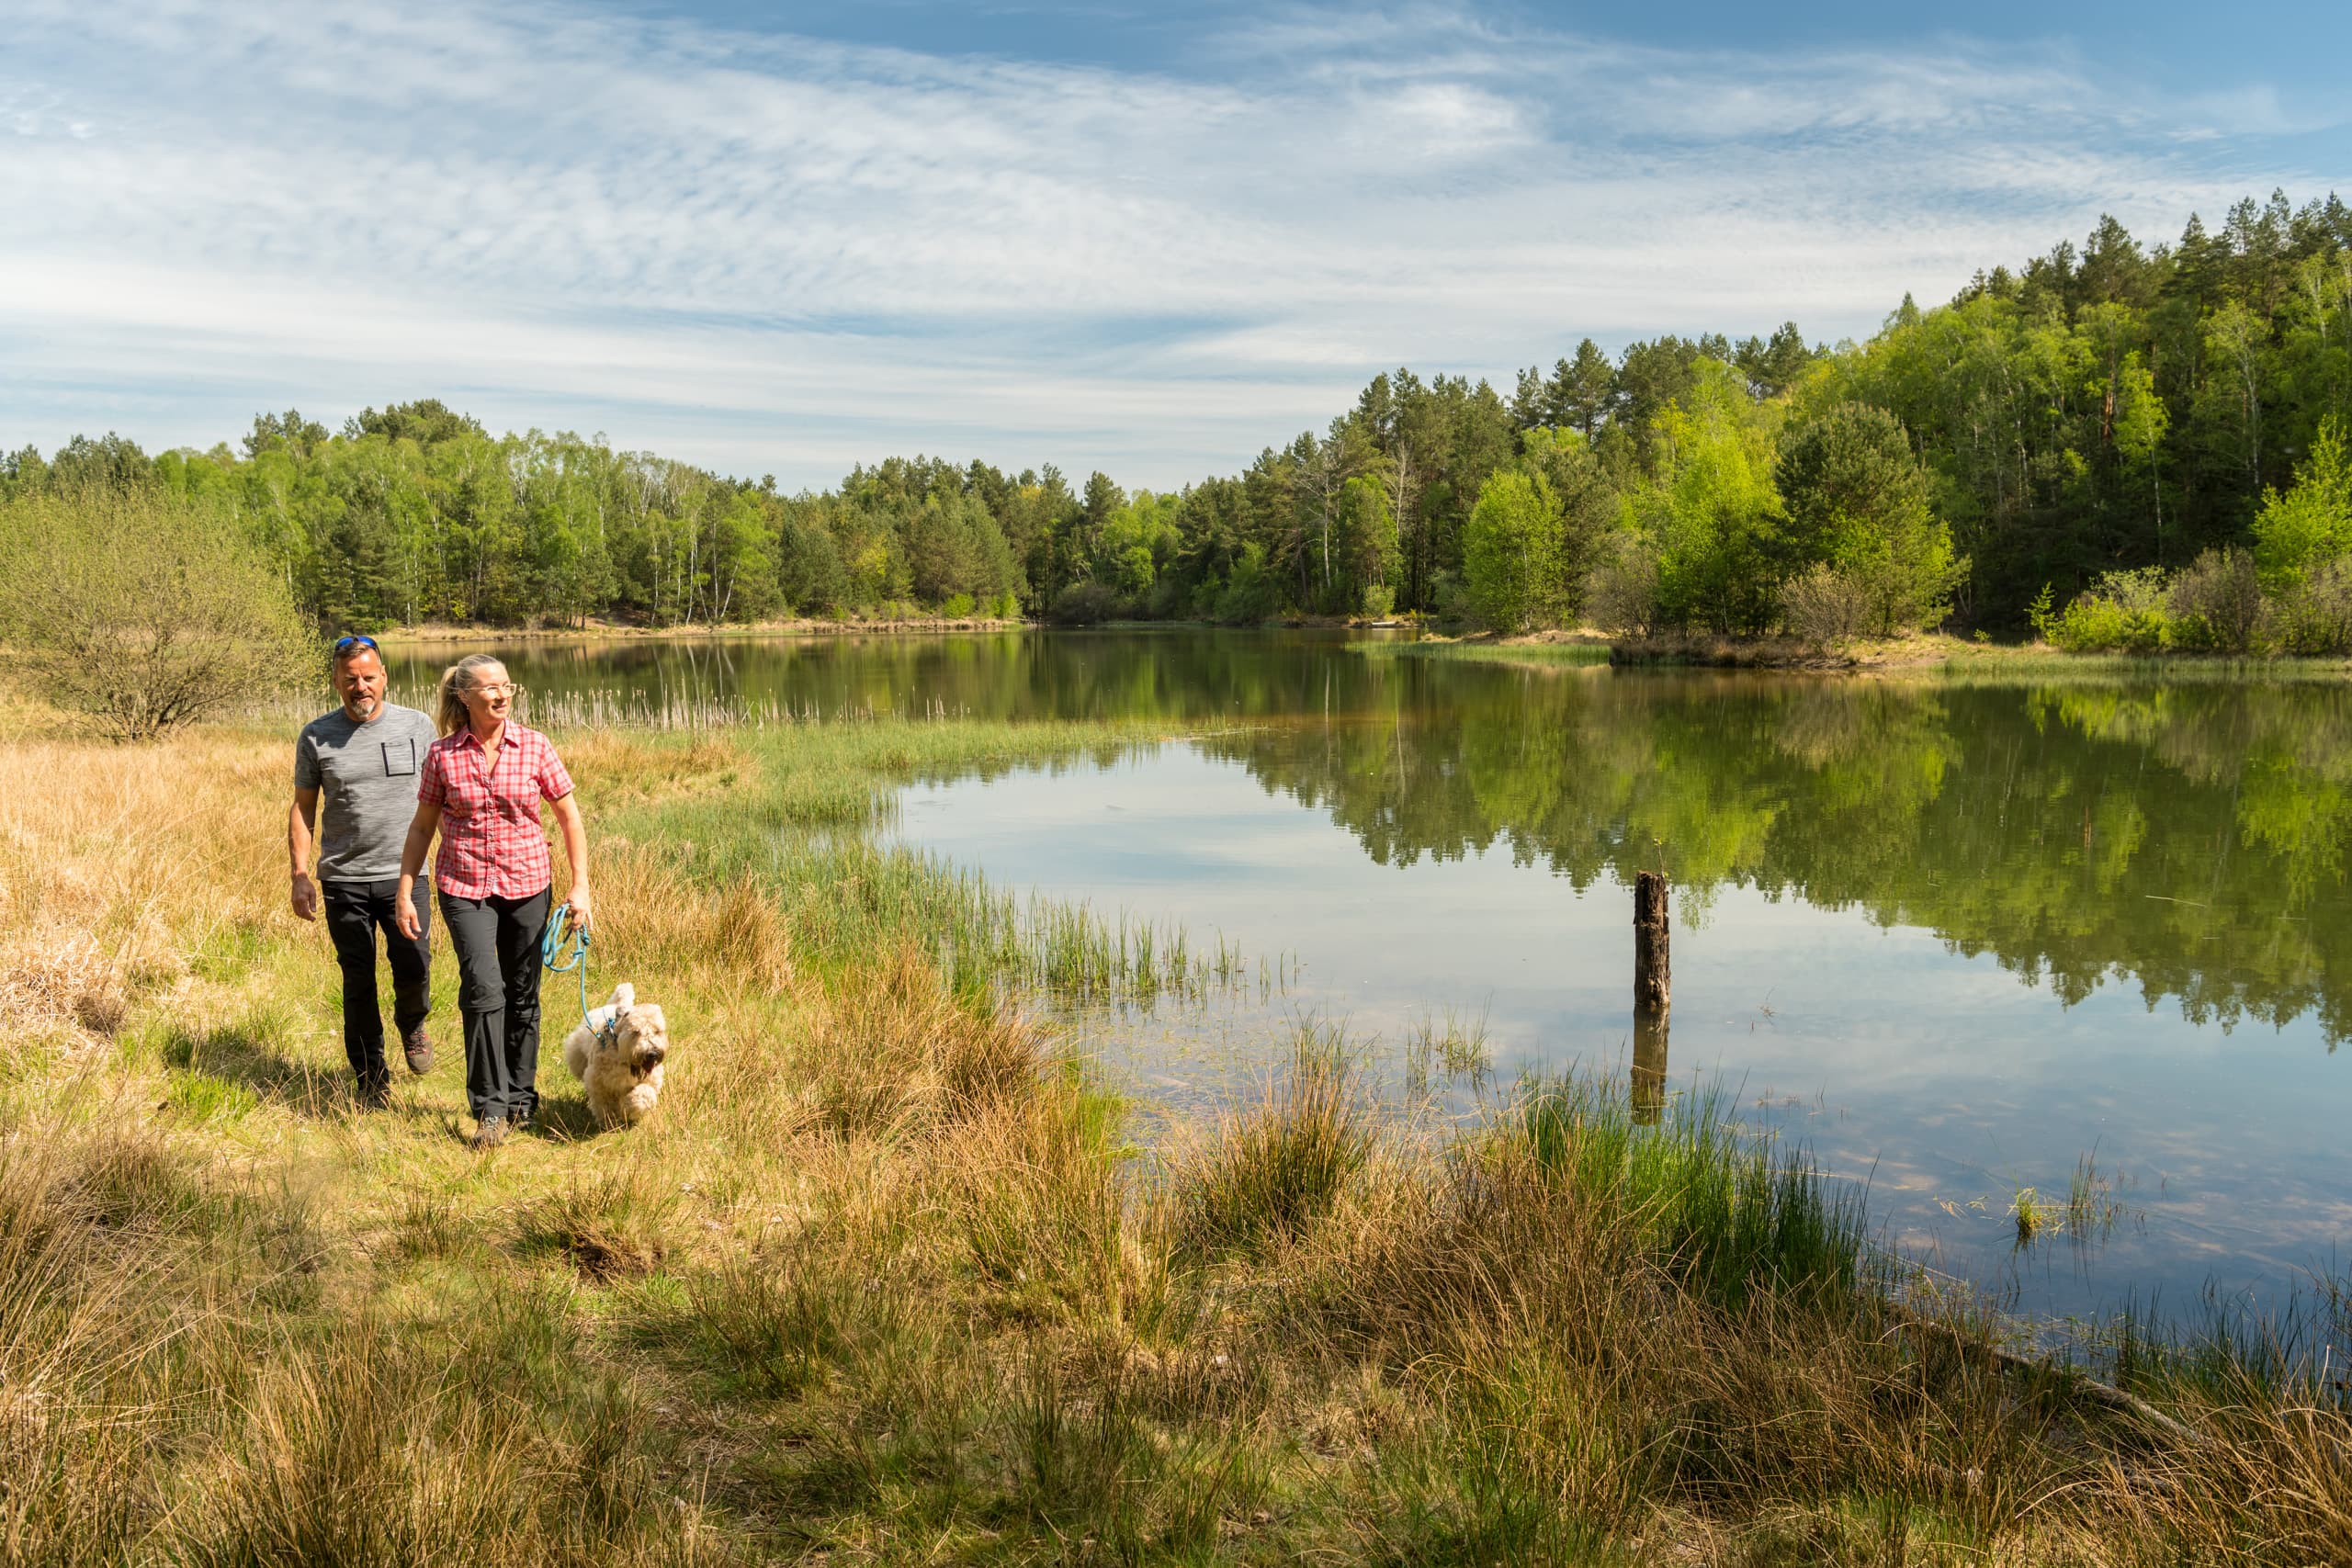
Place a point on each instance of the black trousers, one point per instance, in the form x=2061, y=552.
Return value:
x=498, y=965
x=356, y=912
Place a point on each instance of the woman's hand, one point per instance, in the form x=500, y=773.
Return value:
x=575, y=855
x=421, y=829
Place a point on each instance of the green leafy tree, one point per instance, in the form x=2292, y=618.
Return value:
x=2311, y=523
x=1709, y=513
x=1512, y=567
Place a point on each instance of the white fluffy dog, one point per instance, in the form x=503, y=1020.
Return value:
x=617, y=1055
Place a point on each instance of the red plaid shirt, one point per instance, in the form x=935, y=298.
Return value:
x=491, y=843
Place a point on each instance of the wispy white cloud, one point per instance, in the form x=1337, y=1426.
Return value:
x=778, y=255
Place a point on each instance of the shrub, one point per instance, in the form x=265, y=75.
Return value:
x=956, y=606
x=1622, y=596
x=1085, y=605
x=1379, y=601
x=141, y=610
x=2315, y=613
x=1826, y=606
x=2216, y=603
x=2124, y=611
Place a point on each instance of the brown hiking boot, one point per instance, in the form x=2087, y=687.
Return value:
x=419, y=1047
x=490, y=1132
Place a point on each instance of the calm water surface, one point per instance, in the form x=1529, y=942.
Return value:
x=1955, y=939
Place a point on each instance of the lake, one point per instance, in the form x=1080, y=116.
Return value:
x=1956, y=939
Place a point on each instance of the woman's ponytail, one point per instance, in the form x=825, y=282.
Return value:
x=450, y=715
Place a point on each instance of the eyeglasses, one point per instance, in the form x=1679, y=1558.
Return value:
x=344, y=645
x=492, y=688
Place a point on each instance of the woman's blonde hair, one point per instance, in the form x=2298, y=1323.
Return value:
x=450, y=716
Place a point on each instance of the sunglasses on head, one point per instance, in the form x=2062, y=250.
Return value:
x=344, y=645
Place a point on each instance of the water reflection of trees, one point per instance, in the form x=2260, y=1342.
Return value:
x=1181, y=677
x=2191, y=838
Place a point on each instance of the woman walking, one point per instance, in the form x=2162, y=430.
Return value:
x=480, y=787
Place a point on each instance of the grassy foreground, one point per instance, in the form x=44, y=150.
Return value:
x=881, y=1282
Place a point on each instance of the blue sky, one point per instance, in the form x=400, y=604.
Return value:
x=1144, y=238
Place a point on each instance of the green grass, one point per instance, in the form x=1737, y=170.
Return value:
x=1730, y=1212
x=2010, y=666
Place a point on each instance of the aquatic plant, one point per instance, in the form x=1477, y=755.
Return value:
x=2032, y=1215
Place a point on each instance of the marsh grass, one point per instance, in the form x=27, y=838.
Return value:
x=2091, y=1209
x=1731, y=1213
x=1268, y=1172
x=883, y=1281
x=1453, y=1044
x=609, y=1225
x=1489, y=651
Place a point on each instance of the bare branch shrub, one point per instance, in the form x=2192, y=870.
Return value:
x=2216, y=603
x=1620, y=596
x=2314, y=616
x=1826, y=606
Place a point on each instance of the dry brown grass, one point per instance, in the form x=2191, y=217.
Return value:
x=115, y=874
x=894, y=1051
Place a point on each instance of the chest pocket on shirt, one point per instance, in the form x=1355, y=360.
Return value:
x=399, y=759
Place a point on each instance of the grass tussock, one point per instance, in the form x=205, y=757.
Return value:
x=897, y=1051
x=883, y=1283
x=1265, y=1173
x=609, y=1225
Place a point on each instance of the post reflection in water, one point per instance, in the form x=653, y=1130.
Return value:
x=1648, y=1075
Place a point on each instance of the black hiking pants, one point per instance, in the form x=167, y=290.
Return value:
x=356, y=912
x=498, y=965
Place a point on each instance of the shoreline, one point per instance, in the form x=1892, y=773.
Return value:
x=1933, y=654
x=1928, y=653
x=440, y=634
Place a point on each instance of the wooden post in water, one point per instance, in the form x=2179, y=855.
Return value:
x=1653, y=983
x=1653, y=997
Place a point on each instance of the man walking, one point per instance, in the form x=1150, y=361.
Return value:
x=362, y=761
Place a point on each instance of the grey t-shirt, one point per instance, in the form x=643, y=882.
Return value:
x=366, y=776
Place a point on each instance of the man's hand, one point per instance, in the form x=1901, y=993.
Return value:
x=306, y=897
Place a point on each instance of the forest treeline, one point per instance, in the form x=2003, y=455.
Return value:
x=2125, y=444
